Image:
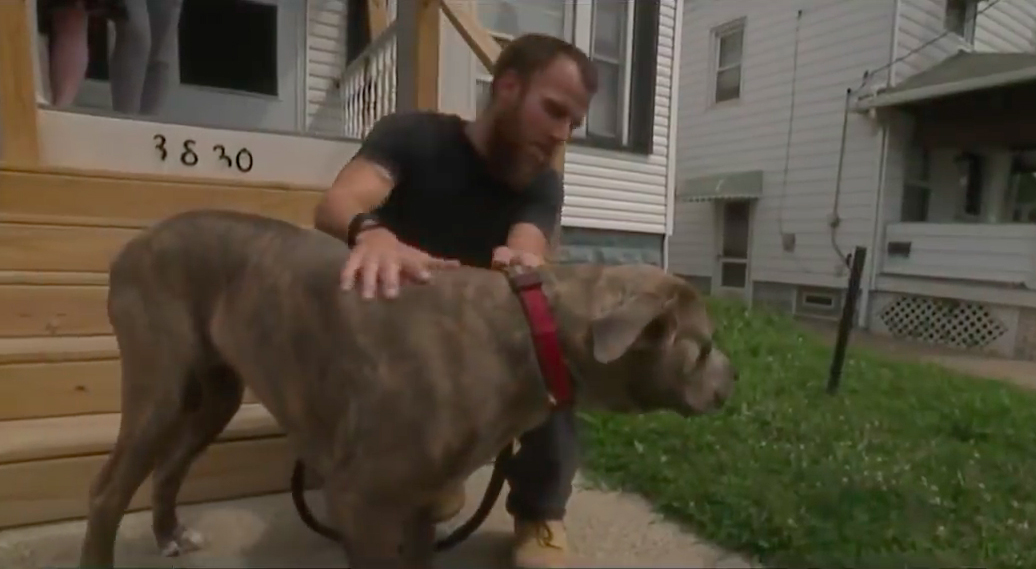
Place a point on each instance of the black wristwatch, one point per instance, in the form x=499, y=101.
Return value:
x=358, y=224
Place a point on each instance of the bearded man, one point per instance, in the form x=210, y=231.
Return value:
x=428, y=190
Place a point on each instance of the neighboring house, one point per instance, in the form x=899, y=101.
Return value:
x=311, y=77
x=810, y=127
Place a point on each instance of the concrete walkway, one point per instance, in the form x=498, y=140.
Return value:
x=606, y=530
x=1018, y=372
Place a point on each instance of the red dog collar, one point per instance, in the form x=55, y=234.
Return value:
x=528, y=285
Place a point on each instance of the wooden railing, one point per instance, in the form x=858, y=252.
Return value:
x=367, y=88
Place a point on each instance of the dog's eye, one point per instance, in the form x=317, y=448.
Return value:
x=704, y=349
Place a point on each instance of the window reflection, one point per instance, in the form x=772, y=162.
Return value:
x=64, y=25
x=240, y=64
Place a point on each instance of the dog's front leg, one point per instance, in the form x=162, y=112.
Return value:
x=381, y=534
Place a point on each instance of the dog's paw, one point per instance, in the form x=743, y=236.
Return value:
x=184, y=540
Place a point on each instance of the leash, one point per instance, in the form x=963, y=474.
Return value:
x=527, y=284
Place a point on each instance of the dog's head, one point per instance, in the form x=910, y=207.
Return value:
x=651, y=346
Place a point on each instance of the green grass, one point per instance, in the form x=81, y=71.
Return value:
x=908, y=465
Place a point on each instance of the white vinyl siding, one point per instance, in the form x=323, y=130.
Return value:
x=621, y=190
x=325, y=61
x=838, y=42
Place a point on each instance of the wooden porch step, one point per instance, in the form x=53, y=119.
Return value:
x=58, y=349
x=60, y=437
x=58, y=376
x=47, y=465
x=77, y=197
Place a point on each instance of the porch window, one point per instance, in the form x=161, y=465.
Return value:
x=917, y=189
x=1022, y=190
x=619, y=36
x=223, y=44
x=728, y=52
x=971, y=168
x=960, y=18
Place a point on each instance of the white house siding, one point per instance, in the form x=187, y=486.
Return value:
x=1003, y=26
x=921, y=38
x=1006, y=26
x=325, y=61
x=838, y=42
x=625, y=191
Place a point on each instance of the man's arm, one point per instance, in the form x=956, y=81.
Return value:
x=368, y=179
x=538, y=217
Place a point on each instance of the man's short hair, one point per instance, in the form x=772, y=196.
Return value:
x=531, y=53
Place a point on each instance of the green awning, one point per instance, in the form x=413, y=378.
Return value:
x=960, y=73
x=746, y=185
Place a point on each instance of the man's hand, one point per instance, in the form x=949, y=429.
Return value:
x=507, y=257
x=380, y=258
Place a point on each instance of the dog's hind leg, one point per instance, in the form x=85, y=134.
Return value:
x=147, y=424
x=157, y=354
x=218, y=397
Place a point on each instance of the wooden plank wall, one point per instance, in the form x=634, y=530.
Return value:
x=58, y=230
x=59, y=363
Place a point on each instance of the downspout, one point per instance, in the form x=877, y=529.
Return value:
x=877, y=230
x=674, y=136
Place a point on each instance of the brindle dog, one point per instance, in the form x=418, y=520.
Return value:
x=389, y=401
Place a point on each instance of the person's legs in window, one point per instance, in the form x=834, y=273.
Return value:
x=129, y=58
x=165, y=23
x=68, y=53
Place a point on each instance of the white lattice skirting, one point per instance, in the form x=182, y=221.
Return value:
x=944, y=322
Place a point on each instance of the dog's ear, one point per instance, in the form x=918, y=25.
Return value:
x=613, y=333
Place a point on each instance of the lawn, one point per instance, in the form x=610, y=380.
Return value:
x=908, y=465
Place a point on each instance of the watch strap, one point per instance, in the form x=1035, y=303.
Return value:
x=357, y=225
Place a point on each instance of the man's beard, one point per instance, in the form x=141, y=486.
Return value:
x=506, y=149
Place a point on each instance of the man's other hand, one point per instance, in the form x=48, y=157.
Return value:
x=507, y=257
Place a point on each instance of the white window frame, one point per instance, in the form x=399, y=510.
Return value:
x=970, y=12
x=578, y=22
x=718, y=34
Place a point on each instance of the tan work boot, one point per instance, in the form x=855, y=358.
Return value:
x=540, y=545
x=449, y=504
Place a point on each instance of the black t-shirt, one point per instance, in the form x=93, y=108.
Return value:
x=446, y=201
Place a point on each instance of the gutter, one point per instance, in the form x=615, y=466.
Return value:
x=674, y=135
x=878, y=229
x=950, y=88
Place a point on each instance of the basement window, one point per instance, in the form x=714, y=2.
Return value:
x=818, y=300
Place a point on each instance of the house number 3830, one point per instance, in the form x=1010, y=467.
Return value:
x=188, y=154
